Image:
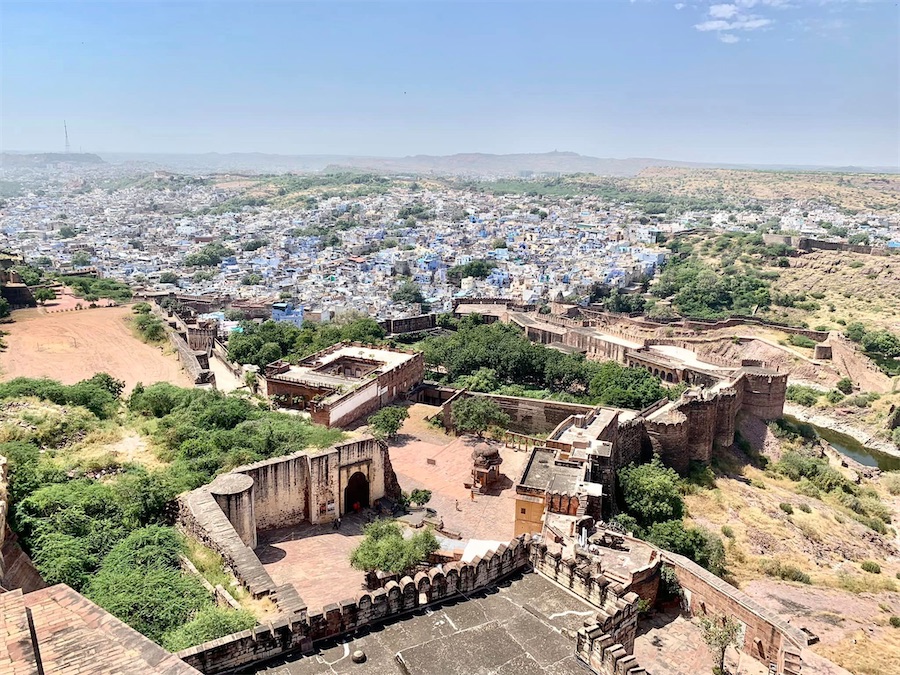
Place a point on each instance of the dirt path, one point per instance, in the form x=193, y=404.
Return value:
x=72, y=346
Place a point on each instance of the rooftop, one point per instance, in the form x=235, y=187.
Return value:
x=56, y=630
x=520, y=628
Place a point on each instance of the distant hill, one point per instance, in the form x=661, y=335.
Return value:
x=11, y=160
x=465, y=164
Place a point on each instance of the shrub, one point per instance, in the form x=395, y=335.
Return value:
x=801, y=341
x=727, y=531
x=385, y=549
x=670, y=586
x=208, y=624
x=807, y=489
x=845, y=385
x=805, y=508
x=860, y=401
x=696, y=543
x=871, y=567
x=895, y=621
x=787, y=508
x=891, y=482
x=834, y=396
x=802, y=395
x=774, y=568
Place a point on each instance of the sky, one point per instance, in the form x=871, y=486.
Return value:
x=811, y=82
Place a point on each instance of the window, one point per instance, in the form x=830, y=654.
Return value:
x=522, y=511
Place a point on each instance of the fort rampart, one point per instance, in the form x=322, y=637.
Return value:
x=297, y=633
x=764, y=636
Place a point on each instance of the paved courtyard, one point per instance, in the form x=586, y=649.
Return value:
x=669, y=644
x=316, y=558
x=524, y=627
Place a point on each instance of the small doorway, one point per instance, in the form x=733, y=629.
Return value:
x=356, y=492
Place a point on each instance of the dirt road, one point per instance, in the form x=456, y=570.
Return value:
x=72, y=346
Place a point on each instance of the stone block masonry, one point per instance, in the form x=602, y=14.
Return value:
x=396, y=599
x=766, y=638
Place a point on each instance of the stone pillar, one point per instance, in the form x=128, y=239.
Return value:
x=233, y=493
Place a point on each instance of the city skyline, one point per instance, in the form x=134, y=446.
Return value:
x=752, y=81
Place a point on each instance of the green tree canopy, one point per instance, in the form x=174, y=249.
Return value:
x=477, y=414
x=387, y=422
x=651, y=492
x=385, y=549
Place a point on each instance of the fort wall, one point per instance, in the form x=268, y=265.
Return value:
x=765, y=637
x=293, y=633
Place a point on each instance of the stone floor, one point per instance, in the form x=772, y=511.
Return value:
x=524, y=627
x=315, y=559
x=669, y=644
x=444, y=469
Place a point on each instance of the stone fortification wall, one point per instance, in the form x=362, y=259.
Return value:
x=526, y=415
x=280, y=490
x=606, y=642
x=287, y=634
x=763, y=394
x=4, y=508
x=16, y=568
x=412, y=324
x=195, y=362
x=201, y=516
x=810, y=244
x=765, y=637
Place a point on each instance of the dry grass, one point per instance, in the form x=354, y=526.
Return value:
x=863, y=653
x=210, y=565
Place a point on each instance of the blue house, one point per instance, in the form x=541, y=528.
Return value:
x=285, y=311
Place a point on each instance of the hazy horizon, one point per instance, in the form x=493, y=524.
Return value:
x=755, y=82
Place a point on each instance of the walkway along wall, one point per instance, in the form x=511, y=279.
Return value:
x=287, y=634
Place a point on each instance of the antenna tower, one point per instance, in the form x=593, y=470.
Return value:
x=66, y=129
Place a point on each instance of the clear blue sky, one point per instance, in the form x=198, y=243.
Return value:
x=761, y=81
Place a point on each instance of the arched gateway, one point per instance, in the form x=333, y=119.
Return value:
x=356, y=492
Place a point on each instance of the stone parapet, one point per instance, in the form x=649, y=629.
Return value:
x=300, y=632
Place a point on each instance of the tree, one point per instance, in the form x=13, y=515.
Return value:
x=385, y=549
x=168, y=278
x=81, y=259
x=66, y=232
x=720, y=633
x=420, y=497
x=477, y=414
x=5, y=309
x=651, y=492
x=408, y=291
x=387, y=421
x=42, y=295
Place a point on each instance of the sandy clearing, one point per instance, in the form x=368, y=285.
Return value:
x=72, y=346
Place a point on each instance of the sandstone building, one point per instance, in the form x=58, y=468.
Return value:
x=344, y=382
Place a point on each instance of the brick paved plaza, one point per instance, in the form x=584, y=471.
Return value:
x=315, y=558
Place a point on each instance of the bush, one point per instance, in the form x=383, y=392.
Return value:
x=208, y=624
x=895, y=621
x=890, y=480
x=787, y=508
x=871, y=567
x=845, y=385
x=696, y=543
x=775, y=568
x=802, y=395
x=801, y=341
x=385, y=549
x=834, y=396
x=805, y=508
x=727, y=531
x=93, y=394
